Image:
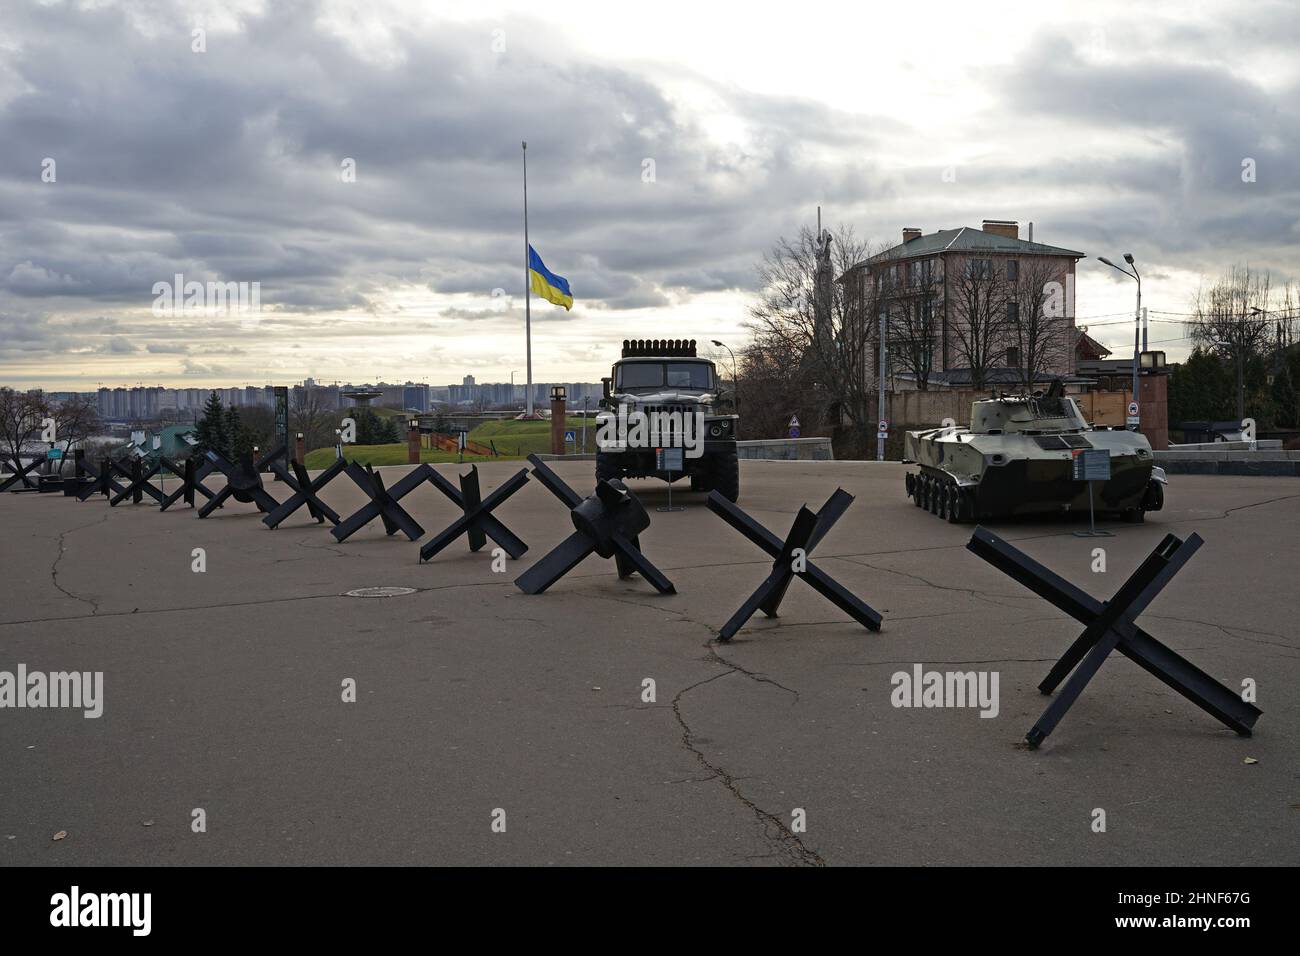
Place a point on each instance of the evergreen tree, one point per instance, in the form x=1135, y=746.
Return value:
x=1286, y=397
x=241, y=440
x=211, y=432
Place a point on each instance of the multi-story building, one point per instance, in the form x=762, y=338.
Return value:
x=966, y=308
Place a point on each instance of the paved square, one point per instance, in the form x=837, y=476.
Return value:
x=222, y=689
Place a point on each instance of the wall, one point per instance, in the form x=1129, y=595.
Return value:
x=916, y=410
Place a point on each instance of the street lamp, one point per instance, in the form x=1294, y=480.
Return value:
x=735, y=380
x=1137, y=316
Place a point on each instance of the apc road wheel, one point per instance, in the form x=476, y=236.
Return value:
x=941, y=504
x=932, y=499
x=954, y=505
x=916, y=489
x=907, y=484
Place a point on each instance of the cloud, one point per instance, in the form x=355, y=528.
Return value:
x=225, y=166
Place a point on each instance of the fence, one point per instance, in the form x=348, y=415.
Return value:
x=927, y=409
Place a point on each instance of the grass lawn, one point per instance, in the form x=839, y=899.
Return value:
x=383, y=455
x=512, y=440
x=518, y=439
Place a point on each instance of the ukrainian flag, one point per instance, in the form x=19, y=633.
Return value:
x=546, y=283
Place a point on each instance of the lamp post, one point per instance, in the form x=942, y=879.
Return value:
x=1137, y=316
x=735, y=380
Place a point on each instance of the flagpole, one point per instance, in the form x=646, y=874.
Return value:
x=528, y=312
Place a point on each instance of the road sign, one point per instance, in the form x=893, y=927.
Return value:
x=1091, y=464
x=54, y=454
x=794, y=431
x=570, y=438
x=794, y=421
x=1132, y=408
x=883, y=426
x=669, y=459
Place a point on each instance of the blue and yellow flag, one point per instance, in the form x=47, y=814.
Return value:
x=546, y=283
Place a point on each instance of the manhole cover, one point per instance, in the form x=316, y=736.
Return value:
x=378, y=592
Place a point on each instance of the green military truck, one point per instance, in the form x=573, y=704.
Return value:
x=657, y=419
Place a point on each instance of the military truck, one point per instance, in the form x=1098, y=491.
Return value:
x=658, y=410
x=1017, y=458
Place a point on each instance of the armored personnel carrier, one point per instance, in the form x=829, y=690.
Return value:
x=657, y=419
x=1017, y=458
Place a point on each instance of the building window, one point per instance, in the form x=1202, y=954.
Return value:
x=1013, y=270
x=1013, y=357
x=1013, y=313
x=980, y=268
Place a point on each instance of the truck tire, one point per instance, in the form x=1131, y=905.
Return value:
x=607, y=467
x=726, y=477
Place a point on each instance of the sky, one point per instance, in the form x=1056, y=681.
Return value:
x=669, y=146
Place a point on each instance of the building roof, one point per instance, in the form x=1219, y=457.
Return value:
x=966, y=239
x=1089, y=346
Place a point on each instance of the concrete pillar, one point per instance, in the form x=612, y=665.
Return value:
x=1153, y=408
x=413, y=444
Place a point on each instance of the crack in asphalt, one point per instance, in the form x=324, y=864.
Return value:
x=773, y=827
x=54, y=566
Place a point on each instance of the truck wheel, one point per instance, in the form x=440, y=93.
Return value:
x=607, y=467
x=726, y=477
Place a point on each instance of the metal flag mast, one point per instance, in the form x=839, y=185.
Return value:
x=528, y=314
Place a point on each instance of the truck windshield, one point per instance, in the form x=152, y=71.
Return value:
x=659, y=374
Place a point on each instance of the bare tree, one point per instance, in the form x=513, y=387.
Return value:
x=1231, y=317
x=834, y=356
x=912, y=302
x=977, y=310
x=20, y=419
x=770, y=368
x=308, y=414
x=1040, y=339
x=75, y=420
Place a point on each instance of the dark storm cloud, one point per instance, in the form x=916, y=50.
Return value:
x=225, y=165
x=1181, y=189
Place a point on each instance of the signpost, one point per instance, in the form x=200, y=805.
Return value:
x=1091, y=464
x=1133, y=419
x=671, y=460
x=882, y=430
x=570, y=438
x=794, y=426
